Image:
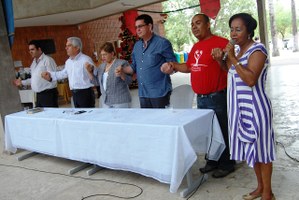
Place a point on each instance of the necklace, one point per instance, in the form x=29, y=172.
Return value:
x=243, y=50
x=107, y=68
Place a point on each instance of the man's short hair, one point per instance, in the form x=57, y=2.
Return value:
x=206, y=18
x=36, y=43
x=146, y=18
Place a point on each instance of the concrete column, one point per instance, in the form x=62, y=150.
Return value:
x=261, y=10
x=9, y=95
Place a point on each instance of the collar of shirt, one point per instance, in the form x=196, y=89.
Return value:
x=146, y=43
x=39, y=59
x=76, y=57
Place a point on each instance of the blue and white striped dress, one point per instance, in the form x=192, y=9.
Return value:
x=250, y=115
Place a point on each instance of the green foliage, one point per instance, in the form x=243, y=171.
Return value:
x=283, y=20
x=178, y=28
x=229, y=8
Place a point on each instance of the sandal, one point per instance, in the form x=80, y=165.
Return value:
x=251, y=196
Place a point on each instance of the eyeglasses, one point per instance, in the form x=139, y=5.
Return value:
x=140, y=26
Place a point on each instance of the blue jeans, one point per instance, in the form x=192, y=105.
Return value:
x=218, y=103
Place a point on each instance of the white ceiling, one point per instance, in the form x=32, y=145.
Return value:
x=110, y=7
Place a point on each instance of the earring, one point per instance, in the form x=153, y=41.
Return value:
x=248, y=37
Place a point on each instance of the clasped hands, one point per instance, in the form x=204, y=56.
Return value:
x=118, y=71
x=46, y=76
x=88, y=67
x=217, y=54
x=18, y=82
x=168, y=68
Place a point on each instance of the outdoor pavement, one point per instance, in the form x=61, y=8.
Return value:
x=44, y=177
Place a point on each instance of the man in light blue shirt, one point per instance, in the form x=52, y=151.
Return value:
x=149, y=53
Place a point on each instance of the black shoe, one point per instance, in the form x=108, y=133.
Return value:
x=219, y=173
x=207, y=168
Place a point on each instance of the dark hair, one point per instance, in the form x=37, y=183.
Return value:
x=36, y=43
x=107, y=47
x=248, y=20
x=206, y=18
x=146, y=18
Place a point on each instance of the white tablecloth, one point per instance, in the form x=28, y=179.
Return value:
x=158, y=143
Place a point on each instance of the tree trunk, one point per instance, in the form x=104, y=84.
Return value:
x=275, y=50
x=294, y=26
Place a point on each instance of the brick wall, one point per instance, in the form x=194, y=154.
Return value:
x=57, y=33
x=92, y=33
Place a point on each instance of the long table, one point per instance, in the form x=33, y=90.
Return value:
x=157, y=143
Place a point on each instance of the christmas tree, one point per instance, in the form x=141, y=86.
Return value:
x=127, y=41
x=126, y=47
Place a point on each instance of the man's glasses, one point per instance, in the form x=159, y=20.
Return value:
x=140, y=26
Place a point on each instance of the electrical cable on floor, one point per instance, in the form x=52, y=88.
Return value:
x=211, y=139
x=194, y=191
x=206, y=157
x=109, y=195
x=83, y=178
x=295, y=159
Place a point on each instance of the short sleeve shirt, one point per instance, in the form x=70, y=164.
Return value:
x=206, y=74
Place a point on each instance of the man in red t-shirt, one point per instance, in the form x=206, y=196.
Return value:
x=209, y=82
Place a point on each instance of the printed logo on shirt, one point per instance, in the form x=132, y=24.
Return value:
x=197, y=66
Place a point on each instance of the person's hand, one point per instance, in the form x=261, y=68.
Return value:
x=230, y=50
x=119, y=72
x=217, y=54
x=46, y=76
x=18, y=82
x=167, y=68
x=88, y=67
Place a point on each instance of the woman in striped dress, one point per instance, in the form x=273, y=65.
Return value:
x=249, y=108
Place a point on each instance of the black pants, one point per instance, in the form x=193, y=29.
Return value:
x=99, y=91
x=160, y=102
x=84, y=98
x=47, y=98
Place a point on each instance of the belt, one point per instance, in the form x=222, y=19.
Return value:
x=78, y=90
x=211, y=94
x=47, y=90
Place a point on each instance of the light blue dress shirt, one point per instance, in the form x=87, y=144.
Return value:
x=146, y=62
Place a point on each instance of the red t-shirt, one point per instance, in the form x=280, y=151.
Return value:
x=206, y=74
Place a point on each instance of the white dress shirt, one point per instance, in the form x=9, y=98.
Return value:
x=42, y=64
x=76, y=72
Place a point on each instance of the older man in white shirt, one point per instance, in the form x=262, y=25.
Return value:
x=75, y=71
x=46, y=92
